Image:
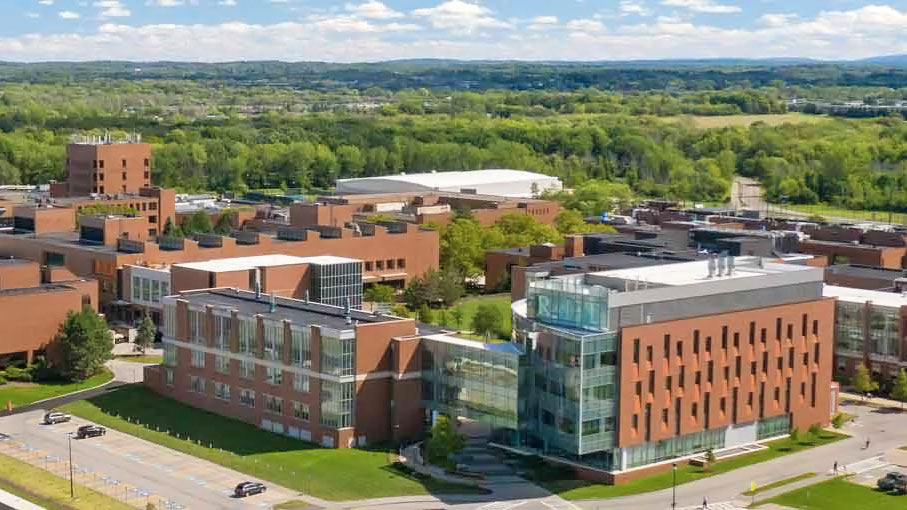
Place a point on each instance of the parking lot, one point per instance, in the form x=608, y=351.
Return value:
x=128, y=468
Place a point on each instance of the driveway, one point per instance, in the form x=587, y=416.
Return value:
x=119, y=460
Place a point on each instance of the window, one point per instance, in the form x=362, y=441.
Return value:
x=247, y=398
x=368, y=265
x=301, y=411
x=749, y=400
x=649, y=354
x=273, y=404
x=777, y=395
x=664, y=416
x=780, y=362
x=651, y=382
x=679, y=349
x=169, y=354
x=778, y=328
x=815, y=327
x=196, y=384
x=222, y=364
x=727, y=373
x=273, y=340
x=790, y=331
x=101, y=163
x=274, y=376
x=721, y=404
x=147, y=163
x=695, y=411
x=708, y=344
x=198, y=359
x=168, y=376
x=247, y=336
x=401, y=263
x=301, y=383
x=124, y=177
x=765, y=362
x=683, y=373
x=136, y=288
x=816, y=353
x=709, y=374
x=724, y=337
x=196, y=319
x=763, y=336
x=698, y=378
x=667, y=347
x=635, y=350
x=247, y=369
x=221, y=391
x=301, y=351
x=696, y=342
x=124, y=165
x=805, y=323
x=379, y=265
x=752, y=333
x=639, y=389
x=635, y=421
x=223, y=326
x=736, y=340
x=737, y=367
x=591, y=427
x=753, y=368
x=390, y=263
x=668, y=382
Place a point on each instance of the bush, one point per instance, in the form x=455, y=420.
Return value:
x=815, y=430
x=795, y=435
x=838, y=420
x=19, y=374
x=2, y=379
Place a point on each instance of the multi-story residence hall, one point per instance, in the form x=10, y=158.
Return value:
x=627, y=370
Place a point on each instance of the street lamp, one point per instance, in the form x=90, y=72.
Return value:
x=72, y=490
x=674, y=485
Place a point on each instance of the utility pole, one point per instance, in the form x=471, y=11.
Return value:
x=72, y=489
x=674, y=486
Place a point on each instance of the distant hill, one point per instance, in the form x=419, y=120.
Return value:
x=887, y=60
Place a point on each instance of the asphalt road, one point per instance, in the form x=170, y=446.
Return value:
x=190, y=482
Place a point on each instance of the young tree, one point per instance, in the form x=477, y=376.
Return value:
x=457, y=315
x=85, y=343
x=224, y=223
x=709, y=459
x=171, y=230
x=862, y=380
x=450, y=287
x=146, y=334
x=379, y=293
x=443, y=441
x=795, y=435
x=899, y=392
x=415, y=294
x=426, y=314
x=487, y=320
x=198, y=223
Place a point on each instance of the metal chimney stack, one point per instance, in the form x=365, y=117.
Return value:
x=273, y=307
x=712, y=266
x=257, y=283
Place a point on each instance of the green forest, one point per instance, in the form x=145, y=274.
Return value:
x=220, y=136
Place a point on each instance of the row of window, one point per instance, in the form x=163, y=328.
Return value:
x=666, y=351
x=148, y=290
x=99, y=163
x=273, y=376
x=381, y=265
x=222, y=391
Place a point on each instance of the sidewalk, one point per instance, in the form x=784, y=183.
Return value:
x=17, y=503
x=878, y=401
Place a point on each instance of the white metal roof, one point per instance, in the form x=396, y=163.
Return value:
x=246, y=263
x=877, y=297
x=689, y=273
x=447, y=180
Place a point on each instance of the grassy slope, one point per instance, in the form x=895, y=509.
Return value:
x=325, y=473
x=687, y=473
x=149, y=359
x=837, y=494
x=22, y=395
x=48, y=490
x=469, y=306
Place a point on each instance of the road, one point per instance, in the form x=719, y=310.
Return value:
x=190, y=482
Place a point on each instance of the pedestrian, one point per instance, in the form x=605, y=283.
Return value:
x=836, y=468
x=705, y=503
x=867, y=443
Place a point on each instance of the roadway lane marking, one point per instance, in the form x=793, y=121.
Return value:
x=560, y=504
x=502, y=505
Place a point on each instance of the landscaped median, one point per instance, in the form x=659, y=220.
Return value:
x=577, y=489
x=50, y=491
x=20, y=394
x=332, y=474
x=838, y=494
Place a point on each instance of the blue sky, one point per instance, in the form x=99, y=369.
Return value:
x=369, y=30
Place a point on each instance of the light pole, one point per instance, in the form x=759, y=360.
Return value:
x=673, y=485
x=72, y=490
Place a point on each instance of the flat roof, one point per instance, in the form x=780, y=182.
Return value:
x=851, y=295
x=881, y=273
x=695, y=272
x=247, y=263
x=295, y=310
x=463, y=179
x=503, y=347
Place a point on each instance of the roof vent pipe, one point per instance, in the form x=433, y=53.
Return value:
x=722, y=263
x=730, y=265
x=306, y=297
x=712, y=266
x=273, y=307
x=257, y=283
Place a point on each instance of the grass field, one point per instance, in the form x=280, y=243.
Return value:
x=469, y=306
x=334, y=474
x=720, y=121
x=838, y=494
x=828, y=211
x=50, y=491
x=21, y=394
x=147, y=359
x=779, y=483
x=575, y=489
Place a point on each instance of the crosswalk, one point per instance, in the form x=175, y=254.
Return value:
x=549, y=503
x=727, y=505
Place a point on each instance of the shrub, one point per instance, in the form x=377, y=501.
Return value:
x=838, y=420
x=19, y=374
x=815, y=430
x=2, y=379
x=795, y=435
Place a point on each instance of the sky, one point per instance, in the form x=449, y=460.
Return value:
x=374, y=30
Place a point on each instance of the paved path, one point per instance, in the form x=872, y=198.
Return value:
x=885, y=429
x=190, y=482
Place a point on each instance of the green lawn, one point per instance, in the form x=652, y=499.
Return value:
x=828, y=211
x=779, y=483
x=837, y=494
x=334, y=474
x=576, y=489
x=21, y=394
x=469, y=306
x=146, y=359
x=50, y=491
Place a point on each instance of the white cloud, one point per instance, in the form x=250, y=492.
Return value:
x=832, y=34
x=633, y=7
x=112, y=9
x=706, y=6
x=541, y=23
x=373, y=9
x=46, y=2
x=166, y=3
x=227, y=3
x=585, y=26
x=460, y=16
x=32, y=15
x=777, y=19
x=68, y=15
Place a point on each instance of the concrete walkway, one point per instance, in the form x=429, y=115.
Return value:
x=14, y=502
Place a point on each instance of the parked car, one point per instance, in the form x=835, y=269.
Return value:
x=90, y=431
x=56, y=417
x=248, y=488
x=893, y=481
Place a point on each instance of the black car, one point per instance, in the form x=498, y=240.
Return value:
x=249, y=488
x=56, y=417
x=90, y=431
x=893, y=481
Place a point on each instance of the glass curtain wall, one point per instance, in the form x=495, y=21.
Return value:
x=338, y=284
